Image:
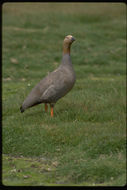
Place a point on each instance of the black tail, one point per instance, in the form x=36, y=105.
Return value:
x=21, y=109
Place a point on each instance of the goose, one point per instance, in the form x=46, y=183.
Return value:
x=56, y=84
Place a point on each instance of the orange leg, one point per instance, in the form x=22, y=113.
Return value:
x=46, y=107
x=51, y=111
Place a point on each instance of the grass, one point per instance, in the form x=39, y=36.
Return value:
x=85, y=143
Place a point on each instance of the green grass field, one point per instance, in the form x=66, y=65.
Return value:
x=84, y=144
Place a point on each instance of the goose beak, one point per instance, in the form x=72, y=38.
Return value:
x=73, y=39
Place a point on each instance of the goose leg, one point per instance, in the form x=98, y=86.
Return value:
x=46, y=107
x=51, y=110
